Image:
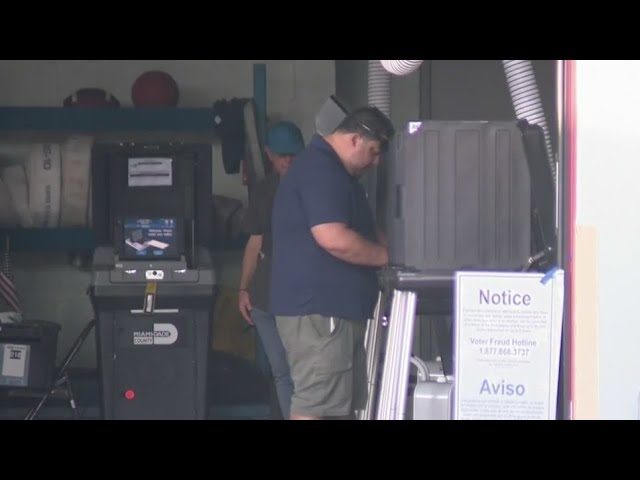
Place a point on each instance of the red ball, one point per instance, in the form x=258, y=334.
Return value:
x=155, y=89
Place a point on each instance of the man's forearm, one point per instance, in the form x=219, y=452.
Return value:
x=250, y=261
x=351, y=247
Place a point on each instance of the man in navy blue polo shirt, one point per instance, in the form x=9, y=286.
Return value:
x=326, y=249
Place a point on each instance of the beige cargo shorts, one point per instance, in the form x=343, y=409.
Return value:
x=328, y=364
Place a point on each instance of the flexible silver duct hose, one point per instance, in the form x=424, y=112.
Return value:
x=379, y=87
x=401, y=67
x=525, y=97
x=379, y=95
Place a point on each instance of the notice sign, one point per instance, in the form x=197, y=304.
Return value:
x=507, y=345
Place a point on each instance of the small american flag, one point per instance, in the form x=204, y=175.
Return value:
x=8, y=293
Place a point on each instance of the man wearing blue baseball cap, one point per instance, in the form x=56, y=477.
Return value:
x=283, y=141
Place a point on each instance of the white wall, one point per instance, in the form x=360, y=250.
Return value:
x=296, y=89
x=608, y=168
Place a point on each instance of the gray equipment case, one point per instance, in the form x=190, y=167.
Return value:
x=458, y=196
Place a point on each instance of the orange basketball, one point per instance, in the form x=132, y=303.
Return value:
x=155, y=89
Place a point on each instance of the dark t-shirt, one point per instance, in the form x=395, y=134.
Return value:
x=305, y=278
x=258, y=222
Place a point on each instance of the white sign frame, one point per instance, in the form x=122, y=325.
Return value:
x=507, y=336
